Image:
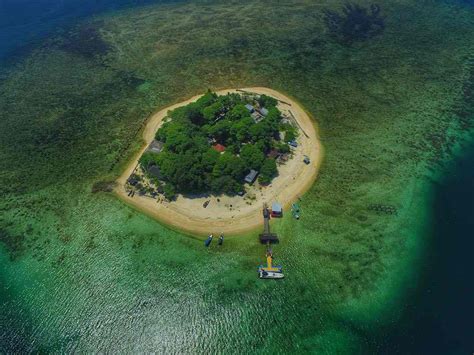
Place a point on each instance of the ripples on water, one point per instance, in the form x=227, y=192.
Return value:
x=142, y=288
x=103, y=278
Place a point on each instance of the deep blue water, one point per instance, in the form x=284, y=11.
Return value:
x=439, y=317
x=24, y=22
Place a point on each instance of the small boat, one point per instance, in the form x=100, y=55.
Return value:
x=277, y=268
x=295, y=211
x=269, y=271
x=208, y=241
x=270, y=274
x=221, y=239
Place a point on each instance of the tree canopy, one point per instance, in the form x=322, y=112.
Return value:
x=190, y=162
x=269, y=171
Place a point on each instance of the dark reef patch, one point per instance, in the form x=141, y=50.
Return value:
x=14, y=244
x=465, y=108
x=103, y=186
x=382, y=208
x=355, y=23
x=84, y=40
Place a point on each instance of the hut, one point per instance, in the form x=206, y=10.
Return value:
x=132, y=181
x=250, y=178
x=250, y=108
x=277, y=210
x=154, y=170
x=218, y=148
x=264, y=111
x=273, y=154
x=155, y=146
x=256, y=117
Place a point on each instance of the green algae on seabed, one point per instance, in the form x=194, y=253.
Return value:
x=94, y=275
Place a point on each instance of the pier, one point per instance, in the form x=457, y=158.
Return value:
x=267, y=237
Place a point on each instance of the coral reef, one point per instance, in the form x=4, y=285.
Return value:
x=355, y=23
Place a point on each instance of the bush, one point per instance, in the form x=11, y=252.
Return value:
x=267, y=101
x=226, y=185
x=169, y=192
x=103, y=186
x=147, y=159
x=282, y=148
x=252, y=156
x=268, y=172
x=290, y=135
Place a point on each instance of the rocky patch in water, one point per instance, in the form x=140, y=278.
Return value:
x=354, y=23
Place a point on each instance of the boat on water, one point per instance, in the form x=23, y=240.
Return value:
x=270, y=274
x=208, y=241
x=221, y=239
x=295, y=211
x=270, y=271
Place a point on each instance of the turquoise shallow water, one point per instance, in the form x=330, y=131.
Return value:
x=121, y=282
x=142, y=294
x=82, y=272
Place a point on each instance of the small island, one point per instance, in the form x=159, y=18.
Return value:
x=212, y=161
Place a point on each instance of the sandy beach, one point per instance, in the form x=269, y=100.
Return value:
x=233, y=215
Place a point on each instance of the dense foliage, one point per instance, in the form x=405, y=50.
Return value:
x=191, y=163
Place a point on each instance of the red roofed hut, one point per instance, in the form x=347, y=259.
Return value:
x=219, y=148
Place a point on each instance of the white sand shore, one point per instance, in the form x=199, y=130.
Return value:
x=188, y=214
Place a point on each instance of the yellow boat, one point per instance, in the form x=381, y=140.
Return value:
x=269, y=271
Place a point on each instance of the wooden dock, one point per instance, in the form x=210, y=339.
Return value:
x=267, y=237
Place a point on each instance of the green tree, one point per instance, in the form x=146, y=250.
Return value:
x=233, y=148
x=267, y=101
x=148, y=159
x=209, y=160
x=169, y=191
x=240, y=130
x=238, y=112
x=264, y=145
x=211, y=112
x=221, y=130
x=258, y=131
x=206, y=100
x=194, y=115
x=226, y=185
x=252, y=156
x=268, y=171
x=290, y=135
x=185, y=171
x=282, y=147
x=229, y=165
x=175, y=135
x=274, y=115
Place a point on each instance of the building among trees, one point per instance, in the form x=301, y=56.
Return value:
x=251, y=176
x=216, y=144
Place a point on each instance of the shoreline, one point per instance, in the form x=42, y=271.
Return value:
x=188, y=215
